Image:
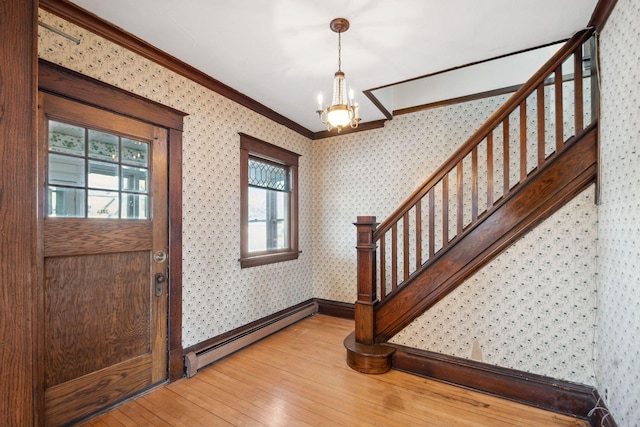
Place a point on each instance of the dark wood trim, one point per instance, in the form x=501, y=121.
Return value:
x=96, y=25
x=529, y=203
x=251, y=146
x=472, y=97
x=218, y=339
x=340, y=309
x=20, y=270
x=601, y=14
x=60, y=81
x=369, y=94
x=458, y=100
x=531, y=389
x=176, y=367
x=376, y=124
x=53, y=78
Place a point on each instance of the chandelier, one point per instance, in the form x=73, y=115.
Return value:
x=343, y=111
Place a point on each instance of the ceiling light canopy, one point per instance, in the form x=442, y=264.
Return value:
x=343, y=111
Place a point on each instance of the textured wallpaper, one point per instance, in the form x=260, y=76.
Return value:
x=532, y=309
x=618, y=348
x=217, y=295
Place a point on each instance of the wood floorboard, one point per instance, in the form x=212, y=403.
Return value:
x=299, y=377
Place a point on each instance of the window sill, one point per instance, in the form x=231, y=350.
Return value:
x=256, y=260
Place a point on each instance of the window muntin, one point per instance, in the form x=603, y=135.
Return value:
x=96, y=174
x=269, y=212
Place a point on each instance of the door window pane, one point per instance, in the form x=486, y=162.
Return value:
x=134, y=206
x=103, y=175
x=134, y=179
x=66, y=170
x=103, y=204
x=103, y=146
x=135, y=152
x=66, y=138
x=65, y=202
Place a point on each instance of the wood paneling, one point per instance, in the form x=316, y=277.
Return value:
x=84, y=395
x=102, y=296
x=19, y=263
x=71, y=236
x=298, y=377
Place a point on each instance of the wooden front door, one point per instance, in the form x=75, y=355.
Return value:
x=104, y=203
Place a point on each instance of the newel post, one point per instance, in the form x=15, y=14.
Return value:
x=364, y=313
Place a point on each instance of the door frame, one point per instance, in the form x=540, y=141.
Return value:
x=63, y=82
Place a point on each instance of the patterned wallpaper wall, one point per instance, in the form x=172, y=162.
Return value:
x=217, y=295
x=532, y=309
x=618, y=348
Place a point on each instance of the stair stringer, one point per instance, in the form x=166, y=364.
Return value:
x=543, y=193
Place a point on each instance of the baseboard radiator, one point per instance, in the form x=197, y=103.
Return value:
x=197, y=360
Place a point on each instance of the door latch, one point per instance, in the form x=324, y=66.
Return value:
x=159, y=280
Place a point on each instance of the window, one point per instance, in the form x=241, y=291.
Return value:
x=269, y=203
x=95, y=174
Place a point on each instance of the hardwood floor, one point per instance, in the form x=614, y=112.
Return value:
x=299, y=377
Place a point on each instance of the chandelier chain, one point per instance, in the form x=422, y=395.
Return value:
x=339, y=52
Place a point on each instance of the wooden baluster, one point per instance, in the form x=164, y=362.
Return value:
x=559, y=108
x=474, y=184
x=383, y=269
x=405, y=244
x=541, y=127
x=593, y=72
x=523, y=140
x=394, y=257
x=490, y=167
x=432, y=222
x=418, y=234
x=577, y=89
x=366, y=247
x=445, y=211
x=460, y=194
x=505, y=156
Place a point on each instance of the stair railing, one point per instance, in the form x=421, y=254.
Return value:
x=509, y=148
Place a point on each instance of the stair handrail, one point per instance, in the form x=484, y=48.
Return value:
x=481, y=133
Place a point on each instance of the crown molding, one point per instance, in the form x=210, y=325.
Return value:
x=78, y=16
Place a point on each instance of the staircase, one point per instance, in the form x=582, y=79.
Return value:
x=531, y=157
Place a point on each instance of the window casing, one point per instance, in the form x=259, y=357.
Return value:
x=269, y=203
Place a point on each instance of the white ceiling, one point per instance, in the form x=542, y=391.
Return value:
x=282, y=53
